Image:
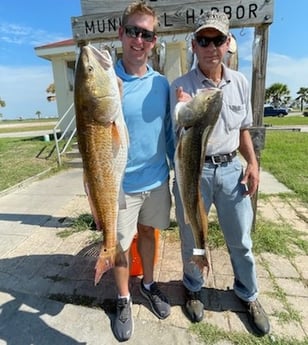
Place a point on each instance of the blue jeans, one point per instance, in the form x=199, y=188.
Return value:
x=220, y=185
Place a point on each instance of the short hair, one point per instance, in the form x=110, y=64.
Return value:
x=142, y=8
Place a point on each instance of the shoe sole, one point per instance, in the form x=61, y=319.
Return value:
x=151, y=304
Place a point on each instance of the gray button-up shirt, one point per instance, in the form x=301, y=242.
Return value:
x=236, y=112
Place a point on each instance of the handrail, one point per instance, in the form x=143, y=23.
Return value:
x=57, y=127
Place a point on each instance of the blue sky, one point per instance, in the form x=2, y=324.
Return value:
x=24, y=25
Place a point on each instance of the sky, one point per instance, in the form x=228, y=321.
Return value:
x=25, y=24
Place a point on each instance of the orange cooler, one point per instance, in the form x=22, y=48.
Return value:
x=135, y=259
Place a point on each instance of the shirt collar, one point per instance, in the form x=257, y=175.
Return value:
x=207, y=82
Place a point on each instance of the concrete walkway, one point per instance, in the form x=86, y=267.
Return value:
x=47, y=295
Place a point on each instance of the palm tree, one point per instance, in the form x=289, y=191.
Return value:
x=277, y=93
x=303, y=96
x=38, y=114
x=2, y=103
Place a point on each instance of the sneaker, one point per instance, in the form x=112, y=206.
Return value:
x=194, y=308
x=158, y=301
x=257, y=318
x=123, y=325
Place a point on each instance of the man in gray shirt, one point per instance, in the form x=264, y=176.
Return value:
x=224, y=182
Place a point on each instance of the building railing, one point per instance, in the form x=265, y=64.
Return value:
x=70, y=116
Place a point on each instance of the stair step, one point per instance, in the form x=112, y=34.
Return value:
x=74, y=163
x=72, y=154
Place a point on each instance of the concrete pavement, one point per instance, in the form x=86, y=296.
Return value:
x=47, y=295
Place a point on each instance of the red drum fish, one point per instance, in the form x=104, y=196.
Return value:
x=103, y=142
x=197, y=119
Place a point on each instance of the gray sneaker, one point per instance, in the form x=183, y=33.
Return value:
x=257, y=318
x=123, y=325
x=158, y=301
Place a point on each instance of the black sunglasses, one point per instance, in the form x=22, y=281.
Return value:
x=204, y=41
x=134, y=32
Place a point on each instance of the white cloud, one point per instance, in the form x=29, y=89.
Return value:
x=283, y=69
x=11, y=33
x=287, y=70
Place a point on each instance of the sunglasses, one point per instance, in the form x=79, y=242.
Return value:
x=204, y=41
x=134, y=32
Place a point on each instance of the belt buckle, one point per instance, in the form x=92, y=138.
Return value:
x=214, y=161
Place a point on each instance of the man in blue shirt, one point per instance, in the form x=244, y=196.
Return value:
x=146, y=180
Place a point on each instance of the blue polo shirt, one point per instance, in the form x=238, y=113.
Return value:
x=147, y=116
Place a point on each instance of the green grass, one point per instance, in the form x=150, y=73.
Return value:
x=213, y=335
x=26, y=128
x=268, y=237
x=23, y=158
x=285, y=157
x=285, y=121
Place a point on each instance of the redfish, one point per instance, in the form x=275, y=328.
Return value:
x=103, y=143
x=197, y=119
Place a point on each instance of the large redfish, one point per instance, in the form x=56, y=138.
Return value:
x=103, y=142
x=197, y=119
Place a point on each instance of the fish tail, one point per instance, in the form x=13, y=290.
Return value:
x=107, y=259
x=201, y=261
x=105, y=262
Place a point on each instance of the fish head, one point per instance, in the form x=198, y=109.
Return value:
x=203, y=109
x=208, y=103
x=96, y=89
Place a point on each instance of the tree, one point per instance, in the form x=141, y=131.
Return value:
x=2, y=103
x=38, y=114
x=277, y=94
x=52, y=90
x=303, y=96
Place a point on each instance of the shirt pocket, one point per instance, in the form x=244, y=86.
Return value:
x=234, y=115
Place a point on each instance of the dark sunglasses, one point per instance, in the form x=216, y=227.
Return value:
x=134, y=32
x=204, y=41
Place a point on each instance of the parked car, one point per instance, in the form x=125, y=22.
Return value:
x=305, y=112
x=269, y=110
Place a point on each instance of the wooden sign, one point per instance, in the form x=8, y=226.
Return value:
x=102, y=19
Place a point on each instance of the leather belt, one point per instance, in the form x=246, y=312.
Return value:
x=219, y=159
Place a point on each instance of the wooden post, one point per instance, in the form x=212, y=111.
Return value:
x=257, y=132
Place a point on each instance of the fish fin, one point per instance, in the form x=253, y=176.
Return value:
x=116, y=138
x=91, y=204
x=120, y=85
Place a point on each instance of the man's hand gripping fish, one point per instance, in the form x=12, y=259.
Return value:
x=197, y=119
x=103, y=141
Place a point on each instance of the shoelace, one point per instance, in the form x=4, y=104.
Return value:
x=254, y=307
x=156, y=293
x=194, y=295
x=124, y=310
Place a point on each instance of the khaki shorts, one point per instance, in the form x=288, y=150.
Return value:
x=150, y=208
